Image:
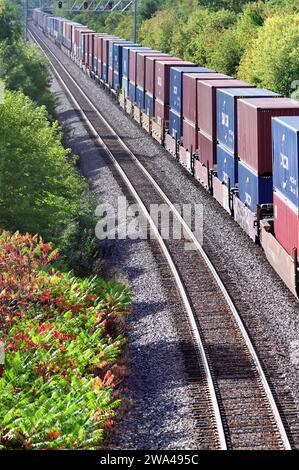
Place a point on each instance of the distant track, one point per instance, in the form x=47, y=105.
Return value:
x=237, y=410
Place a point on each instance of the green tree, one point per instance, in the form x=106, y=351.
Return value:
x=10, y=22
x=28, y=71
x=272, y=61
x=232, y=42
x=158, y=31
x=40, y=190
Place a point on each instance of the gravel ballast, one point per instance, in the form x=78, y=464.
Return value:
x=160, y=416
x=272, y=314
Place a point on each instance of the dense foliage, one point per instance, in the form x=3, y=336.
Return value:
x=39, y=187
x=255, y=40
x=27, y=70
x=10, y=26
x=275, y=67
x=22, y=67
x=59, y=384
x=40, y=190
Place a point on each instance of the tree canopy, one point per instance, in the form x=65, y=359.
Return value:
x=39, y=187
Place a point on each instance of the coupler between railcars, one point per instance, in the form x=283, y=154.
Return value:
x=171, y=145
x=146, y=123
x=122, y=100
x=137, y=115
x=158, y=131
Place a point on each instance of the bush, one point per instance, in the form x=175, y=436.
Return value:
x=26, y=70
x=58, y=389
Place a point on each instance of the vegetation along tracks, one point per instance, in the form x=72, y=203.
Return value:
x=237, y=409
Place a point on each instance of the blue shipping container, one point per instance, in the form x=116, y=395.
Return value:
x=140, y=98
x=175, y=124
x=112, y=45
x=254, y=189
x=227, y=166
x=227, y=121
x=132, y=92
x=176, y=85
x=118, y=55
x=285, y=135
x=149, y=104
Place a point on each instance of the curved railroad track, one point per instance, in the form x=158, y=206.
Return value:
x=236, y=405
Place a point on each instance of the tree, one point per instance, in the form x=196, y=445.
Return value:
x=28, y=71
x=158, y=31
x=10, y=23
x=272, y=61
x=40, y=190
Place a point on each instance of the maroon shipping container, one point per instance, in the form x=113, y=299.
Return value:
x=190, y=91
x=150, y=71
x=88, y=49
x=133, y=63
x=105, y=49
x=84, y=56
x=286, y=223
x=161, y=113
x=255, y=129
x=141, y=63
x=93, y=48
x=190, y=137
x=78, y=34
x=100, y=41
x=207, y=150
x=162, y=77
x=206, y=102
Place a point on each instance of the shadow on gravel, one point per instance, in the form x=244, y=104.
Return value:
x=145, y=309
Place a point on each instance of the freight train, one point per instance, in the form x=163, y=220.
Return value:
x=240, y=142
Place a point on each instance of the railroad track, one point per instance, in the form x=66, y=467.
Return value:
x=237, y=408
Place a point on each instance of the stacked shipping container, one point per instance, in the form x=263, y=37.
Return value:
x=162, y=87
x=190, y=114
x=105, y=56
x=255, y=146
x=227, y=129
x=141, y=65
x=111, y=65
x=207, y=116
x=150, y=78
x=118, y=63
x=176, y=97
x=285, y=132
x=133, y=71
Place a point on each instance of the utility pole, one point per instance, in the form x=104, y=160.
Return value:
x=25, y=17
x=135, y=20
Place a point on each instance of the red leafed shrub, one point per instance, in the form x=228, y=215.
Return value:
x=58, y=352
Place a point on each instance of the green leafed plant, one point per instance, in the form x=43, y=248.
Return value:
x=58, y=389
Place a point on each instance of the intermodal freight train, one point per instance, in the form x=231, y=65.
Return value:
x=240, y=142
